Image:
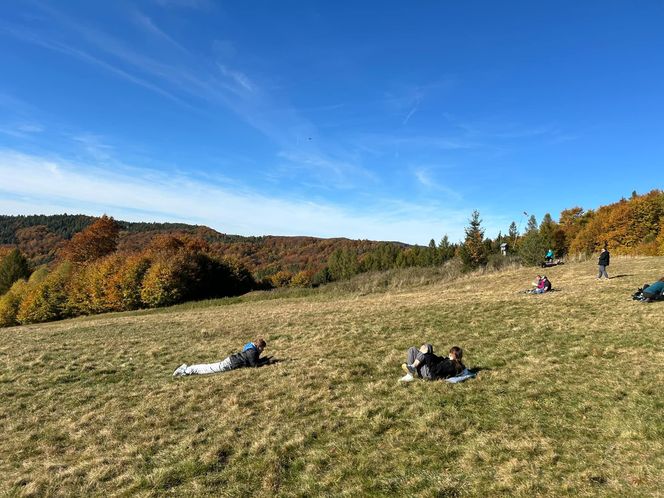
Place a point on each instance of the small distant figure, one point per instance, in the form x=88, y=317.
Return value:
x=248, y=357
x=422, y=362
x=542, y=284
x=503, y=248
x=603, y=262
x=549, y=256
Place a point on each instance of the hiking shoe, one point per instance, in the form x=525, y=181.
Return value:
x=409, y=369
x=407, y=378
x=180, y=371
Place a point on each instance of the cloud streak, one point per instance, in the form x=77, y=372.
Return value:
x=50, y=185
x=195, y=83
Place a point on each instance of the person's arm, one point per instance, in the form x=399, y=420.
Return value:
x=253, y=357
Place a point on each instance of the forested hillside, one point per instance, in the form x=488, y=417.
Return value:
x=41, y=237
x=82, y=265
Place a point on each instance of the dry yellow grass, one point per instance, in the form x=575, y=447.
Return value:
x=568, y=400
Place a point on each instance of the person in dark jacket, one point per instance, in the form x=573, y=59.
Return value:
x=654, y=292
x=424, y=363
x=248, y=357
x=603, y=262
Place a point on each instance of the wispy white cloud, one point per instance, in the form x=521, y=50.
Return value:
x=30, y=128
x=410, y=114
x=336, y=172
x=378, y=142
x=148, y=25
x=21, y=130
x=241, y=79
x=196, y=84
x=502, y=129
x=426, y=176
x=44, y=184
x=45, y=41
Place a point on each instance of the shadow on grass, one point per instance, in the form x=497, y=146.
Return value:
x=622, y=276
x=270, y=360
x=476, y=370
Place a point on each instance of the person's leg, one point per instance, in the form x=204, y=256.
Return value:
x=606, y=275
x=412, y=355
x=601, y=271
x=209, y=368
x=649, y=296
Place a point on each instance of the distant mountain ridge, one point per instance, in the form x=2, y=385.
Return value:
x=40, y=237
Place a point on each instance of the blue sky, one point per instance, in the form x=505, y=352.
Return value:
x=379, y=120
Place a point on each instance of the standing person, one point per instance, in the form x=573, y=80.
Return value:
x=603, y=262
x=248, y=357
x=424, y=363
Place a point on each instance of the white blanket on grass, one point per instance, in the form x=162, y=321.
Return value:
x=465, y=375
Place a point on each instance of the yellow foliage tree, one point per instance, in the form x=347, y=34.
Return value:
x=10, y=302
x=302, y=279
x=46, y=299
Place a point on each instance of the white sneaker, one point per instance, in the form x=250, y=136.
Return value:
x=180, y=371
x=407, y=378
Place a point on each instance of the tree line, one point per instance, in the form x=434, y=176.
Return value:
x=631, y=226
x=94, y=273
x=90, y=276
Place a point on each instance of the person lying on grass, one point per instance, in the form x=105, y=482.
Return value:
x=248, y=357
x=424, y=363
x=654, y=292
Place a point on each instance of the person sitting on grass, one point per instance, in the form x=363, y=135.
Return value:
x=424, y=363
x=248, y=357
x=542, y=283
x=654, y=292
x=549, y=256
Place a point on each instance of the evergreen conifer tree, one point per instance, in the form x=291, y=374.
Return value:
x=13, y=267
x=474, y=252
x=446, y=249
x=513, y=233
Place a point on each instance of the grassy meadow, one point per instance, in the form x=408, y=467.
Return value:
x=568, y=400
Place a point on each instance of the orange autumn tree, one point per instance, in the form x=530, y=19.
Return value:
x=96, y=241
x=630, y=226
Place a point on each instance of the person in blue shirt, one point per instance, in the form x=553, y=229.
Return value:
x=248, y=357
x=549, y=255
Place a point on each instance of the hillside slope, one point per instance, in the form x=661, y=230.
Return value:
x=568, y=399
x=40, y=238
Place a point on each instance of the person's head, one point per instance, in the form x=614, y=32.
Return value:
x=426, y=348
x=456, y=353
x=260, y=343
